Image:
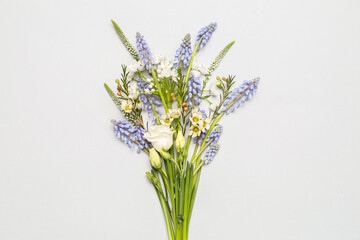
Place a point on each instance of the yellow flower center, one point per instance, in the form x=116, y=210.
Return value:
x=195, y=119
x=127, y=107
x=195, y=129
x=167, y=120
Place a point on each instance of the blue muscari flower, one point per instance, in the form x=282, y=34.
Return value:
x=194, y=91
x=144, y=51
x=210, y=154
x=183, y=54
x=147, y=99
x=205, y=33
x=130, y=135
x=215, y=135
x=240, y=95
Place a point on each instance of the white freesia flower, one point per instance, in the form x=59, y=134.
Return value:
x=159, y=58
x=196, y=129
x=126, y=106
x=133, y=91
x=174, y=75
x=135, y=66
x=212, y=107
x=165, y=69
x=160, y=136
x=166, y=119
x=203, y=69
x=175, y=112
x=195, y=73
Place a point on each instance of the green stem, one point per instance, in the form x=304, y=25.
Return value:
x=190, y=64
x=159, y=89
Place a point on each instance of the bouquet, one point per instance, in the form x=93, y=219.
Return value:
x=172, y=112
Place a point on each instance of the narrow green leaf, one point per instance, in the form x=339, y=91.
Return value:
x=218, y=59
x=125, y=41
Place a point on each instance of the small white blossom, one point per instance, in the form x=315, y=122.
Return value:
x=205, y=124
x=202, y=68
x=174, y=74
x=126, y=106
x=195, y=130
x=147, y=91
x=195, y=73
x=140, y=106
x=165, y=69
x=133, y=91
x=166, y=119
x=196, y=116
x=175, y=112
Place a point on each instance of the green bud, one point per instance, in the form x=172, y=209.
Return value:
x=155, y=159
x=180, y=142
x=165, y=155
x=218, y=84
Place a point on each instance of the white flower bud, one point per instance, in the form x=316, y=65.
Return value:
x=180, y=142
x=155, y=159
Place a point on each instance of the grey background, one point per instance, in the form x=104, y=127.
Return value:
x=289, y=161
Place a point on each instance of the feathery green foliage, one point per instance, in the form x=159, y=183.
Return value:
x=218, y=59
x=125, y=41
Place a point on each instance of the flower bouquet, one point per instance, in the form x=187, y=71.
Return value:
x=163, y=101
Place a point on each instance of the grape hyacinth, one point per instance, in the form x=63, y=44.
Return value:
x=209, y=155
x=240, y=95
x=147, y=98
x=130, y=135
x=205, y=33
x=183, y=54
x=215, y=135
x=194, y=91
x=144, y=51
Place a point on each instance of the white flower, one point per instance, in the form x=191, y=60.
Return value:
x=202, y=68
x=160, y=136
x=174, y=75
x=195, y=73
x=165, y=69
x=205, y=124
x=213, y=89
x=196, y=116
x=139, y=106
x=135, y=66
x=166, y=119
x=159, y=58
x=175, y=112
x=126, y=106
x=212, y=107
x=133, y=91
x=147, y=91
x=195, y=130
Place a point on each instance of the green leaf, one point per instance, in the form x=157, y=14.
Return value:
x=125, y=41
x=218, y=59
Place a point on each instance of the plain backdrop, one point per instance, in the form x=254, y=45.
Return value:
x=289, y=162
